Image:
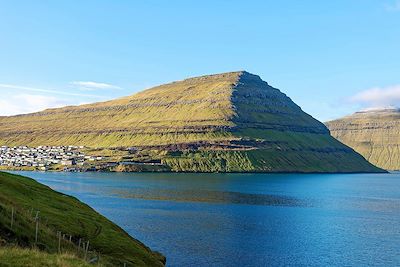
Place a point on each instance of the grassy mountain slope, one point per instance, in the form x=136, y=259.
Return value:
x=59, y=212
x=374, y=134
x=224, y=122
x=189, y=110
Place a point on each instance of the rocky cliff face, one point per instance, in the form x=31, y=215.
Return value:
x=375, y=134
x=225, y=122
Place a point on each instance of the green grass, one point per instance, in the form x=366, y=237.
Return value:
x=214, y=109
x=373, y=134
x=150, y=117
x=59, y=212
x=19, y=257
x=264, y=160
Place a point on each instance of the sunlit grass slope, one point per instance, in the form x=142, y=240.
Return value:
x=250, y=125
x=190, y=110
x=19, y=257
x=65, y=214
x=375, y=134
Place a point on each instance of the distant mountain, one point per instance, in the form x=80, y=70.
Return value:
x=374, y=133
x=230, y=122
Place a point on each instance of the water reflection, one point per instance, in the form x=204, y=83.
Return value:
x=209, y=197
x=249, y=219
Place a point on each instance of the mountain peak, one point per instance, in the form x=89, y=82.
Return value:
x=390, y=109
x=247, y=76
x=232, y=75
x=230, y=121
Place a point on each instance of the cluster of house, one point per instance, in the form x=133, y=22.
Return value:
x=43, y=157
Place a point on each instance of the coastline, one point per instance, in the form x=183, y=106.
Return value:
x=200, y=172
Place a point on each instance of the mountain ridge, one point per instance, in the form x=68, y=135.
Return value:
x=375, y=134
x=234, y=116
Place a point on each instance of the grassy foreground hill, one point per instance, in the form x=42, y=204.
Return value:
x=230, y=122
x=19, y=257
x=375, y=134
x=22, y=200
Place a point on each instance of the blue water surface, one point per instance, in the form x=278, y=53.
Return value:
x=249, y=219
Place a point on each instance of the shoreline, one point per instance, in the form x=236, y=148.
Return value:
x=277, y=172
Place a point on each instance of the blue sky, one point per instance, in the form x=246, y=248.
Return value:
x=331, y=57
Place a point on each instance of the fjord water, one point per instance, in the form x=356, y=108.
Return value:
x=249, y=219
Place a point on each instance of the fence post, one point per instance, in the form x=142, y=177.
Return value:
x=86, y=250
x=79, y=244
x=37, y=226
x=59, y=242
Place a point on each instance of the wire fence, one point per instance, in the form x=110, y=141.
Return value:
x=32, y=223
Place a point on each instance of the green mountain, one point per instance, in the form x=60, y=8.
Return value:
x=23, y=199
x=375, y=134
x=230, y=122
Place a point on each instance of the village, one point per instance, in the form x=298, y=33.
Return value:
x=67, y=158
